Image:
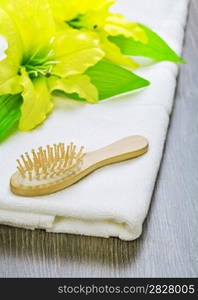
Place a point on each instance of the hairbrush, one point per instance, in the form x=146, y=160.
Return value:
x=53, y=168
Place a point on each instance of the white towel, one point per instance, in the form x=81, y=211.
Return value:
x=112, y=201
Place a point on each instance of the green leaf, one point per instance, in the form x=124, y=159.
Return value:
x=155, y=48
x=112, y=80
x=9, y=114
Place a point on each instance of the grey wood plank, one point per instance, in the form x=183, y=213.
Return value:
x=168, y=246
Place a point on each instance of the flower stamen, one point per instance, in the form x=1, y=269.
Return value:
x=40, y=63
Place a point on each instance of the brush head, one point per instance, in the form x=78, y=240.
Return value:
x=49, y=164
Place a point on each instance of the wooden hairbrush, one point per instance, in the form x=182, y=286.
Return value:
x=53, y=168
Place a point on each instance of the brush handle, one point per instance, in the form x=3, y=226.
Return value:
x=127, y=148
x=121, y=150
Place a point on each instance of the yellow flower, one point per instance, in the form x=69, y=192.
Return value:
x=94, y=16
x=66, y=10
x=39, y=59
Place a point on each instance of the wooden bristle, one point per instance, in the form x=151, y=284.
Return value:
x=50, y=162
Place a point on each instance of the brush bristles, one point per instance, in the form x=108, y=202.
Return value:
x=50, y=162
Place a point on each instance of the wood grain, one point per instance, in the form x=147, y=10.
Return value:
x=168, y=246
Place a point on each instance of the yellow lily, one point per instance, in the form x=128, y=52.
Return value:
x=95, y=17
x=39, y=59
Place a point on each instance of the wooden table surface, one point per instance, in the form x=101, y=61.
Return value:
x=169, y=244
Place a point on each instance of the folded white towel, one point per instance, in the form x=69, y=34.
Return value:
x=112, y=201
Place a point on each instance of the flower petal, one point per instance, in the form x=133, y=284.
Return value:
x=113, y=53
x=78, y=84
x=65, y=10
x=10, y=65
x=36, y=102
x=11, y=86
x=116, y=24
x=34, y=21
x=76, y=51
x=94, y=5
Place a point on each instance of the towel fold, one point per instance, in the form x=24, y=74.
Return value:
x=114, y=200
